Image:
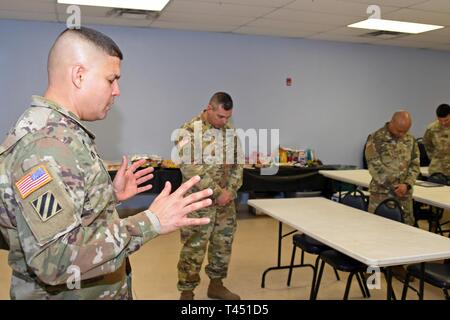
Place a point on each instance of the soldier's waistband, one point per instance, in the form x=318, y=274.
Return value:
x=109, y=279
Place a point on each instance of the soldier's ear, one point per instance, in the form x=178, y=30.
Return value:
x=77, y=75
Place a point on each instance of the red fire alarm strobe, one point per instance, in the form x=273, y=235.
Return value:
x=288, y=82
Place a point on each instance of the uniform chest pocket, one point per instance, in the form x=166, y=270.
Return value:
x=388, y=154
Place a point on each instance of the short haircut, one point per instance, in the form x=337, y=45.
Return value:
x=443, y=110
x=222, y=99
x=98, y=39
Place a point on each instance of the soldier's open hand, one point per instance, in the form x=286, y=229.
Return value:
x=172, y=209
x=126, y=181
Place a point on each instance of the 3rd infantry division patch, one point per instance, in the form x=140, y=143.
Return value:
x=46, y=206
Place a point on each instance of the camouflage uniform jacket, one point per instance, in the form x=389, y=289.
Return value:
x=58, y=211
x=391, y=161
x=201, y=142
x=437, y=143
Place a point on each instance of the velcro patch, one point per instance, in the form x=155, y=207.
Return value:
x=33, y=180
x=46, y=206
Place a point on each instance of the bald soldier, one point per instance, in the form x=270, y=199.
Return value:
x=57, y=202
x=394, y=163
x=437, y=142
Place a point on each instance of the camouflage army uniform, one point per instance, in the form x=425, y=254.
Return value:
x=220, y=232
x=437, y=143
x=66, y=223
x=392, y=161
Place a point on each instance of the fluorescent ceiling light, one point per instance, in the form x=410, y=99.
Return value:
x=392, y=25
x=151, y=5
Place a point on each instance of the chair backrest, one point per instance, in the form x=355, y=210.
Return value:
x=3, y=244
x=424, y=160
x=355, y=199
x=390, y=209
x=438, y=178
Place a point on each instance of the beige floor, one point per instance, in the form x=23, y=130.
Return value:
x=155, y=275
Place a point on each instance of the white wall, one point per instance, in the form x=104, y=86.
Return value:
x=340, y=93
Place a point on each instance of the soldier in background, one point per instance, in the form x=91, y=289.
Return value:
x=57, y=202
x=393, y=160
x=437, y=142
x=394, y=163
x=205, y=135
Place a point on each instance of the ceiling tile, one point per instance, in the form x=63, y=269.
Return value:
x=335, y=7
x=264, y=3
x=192, y=26
x=277, y=32
x=203, y=18
x=419, y=16
x=391, y=3
x=269, y=23
x=312, y=17
x=217, y=8
x=435, y=5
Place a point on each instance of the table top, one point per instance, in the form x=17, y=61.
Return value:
x=371, y=239
x=360, y=177
x=435, y=196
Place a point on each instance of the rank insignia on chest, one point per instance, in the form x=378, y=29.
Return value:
x=33, y=180
x=46, y=206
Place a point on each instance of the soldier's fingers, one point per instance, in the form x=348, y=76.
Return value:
x=197, y=196
x=186, y=186
x=142, y=189
x=137, y=164
x=166, y=191
x=123, y=165
x=141, y=173
x=195, y=221
x=144, y=179
x=196, y=206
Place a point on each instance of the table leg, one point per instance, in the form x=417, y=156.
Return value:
x=279, y=266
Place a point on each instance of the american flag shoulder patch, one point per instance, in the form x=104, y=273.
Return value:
x=33, y=180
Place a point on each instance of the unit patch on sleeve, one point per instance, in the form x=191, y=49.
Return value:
x=33, y=180
x=46, y=206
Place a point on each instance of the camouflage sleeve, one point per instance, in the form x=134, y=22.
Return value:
x=414, y=165
x=62, y=224
x=236, y=170
x=428, y=143
x=381, y=174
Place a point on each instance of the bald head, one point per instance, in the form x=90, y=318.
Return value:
x=83, y=73
x=78, y=47
x=400, y=123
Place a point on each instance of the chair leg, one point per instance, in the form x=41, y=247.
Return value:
x=364, y=282
x=319, y=279
x=363, y=291
x=405, y=286
x=337, y=274
x=313, y=284
x=349, y=283
x=290, y=266
x=302, y=261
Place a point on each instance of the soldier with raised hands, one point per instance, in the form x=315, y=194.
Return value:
x=57, y=202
